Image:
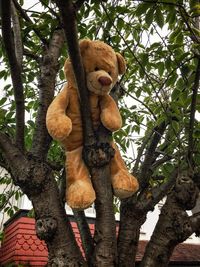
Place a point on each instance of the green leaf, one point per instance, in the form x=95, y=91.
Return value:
x=174, y=34
x=144, y=59
x=175, y=94
x=159, y=18
x=120, y=24
x=161, y=67
x=171, y=17
x=171, y=80
x=138, y=93
x=179, y=38
x=175, y=125
x=62, y=75
x=180, y=84
x=142, y=8
x=149, y=16
x=3, y=100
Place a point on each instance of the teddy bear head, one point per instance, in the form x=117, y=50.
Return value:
x=102, y=66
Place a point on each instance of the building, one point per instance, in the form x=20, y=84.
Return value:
x=21, y=245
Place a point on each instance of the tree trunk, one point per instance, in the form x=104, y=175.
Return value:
x=97, y=151
x=129, y=233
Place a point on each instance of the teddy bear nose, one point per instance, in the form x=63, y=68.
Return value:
x=105, y=81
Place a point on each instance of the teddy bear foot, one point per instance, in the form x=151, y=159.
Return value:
x=80, y=195
x=124, y=184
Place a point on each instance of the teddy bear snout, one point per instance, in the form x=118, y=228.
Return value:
x=105, y=81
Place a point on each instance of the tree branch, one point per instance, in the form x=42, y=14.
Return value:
x=195, y=223
x=46, y=84
x=86, y=238
x=15, y=71
x=17, y=35
x=13, y=156
x=194, y=37
x=31, y=55
x=69, y=24
x=150, y=156
x=157, y=193
x=141, y=150
x=164, y=159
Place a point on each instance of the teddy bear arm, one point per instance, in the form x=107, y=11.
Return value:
x=58, y=124
x=110, y=116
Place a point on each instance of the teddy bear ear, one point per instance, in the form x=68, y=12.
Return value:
x=121, y=63
x=84, y=44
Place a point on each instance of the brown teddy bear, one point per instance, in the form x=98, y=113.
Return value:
x=102, y=67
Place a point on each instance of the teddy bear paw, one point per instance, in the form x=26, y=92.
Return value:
x=80, y=195
x=124, y=184
x=60, y=128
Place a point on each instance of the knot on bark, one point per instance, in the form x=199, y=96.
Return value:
x=46, y=228
x=61, y=259
x=182, y=227
x=32, y=177
x=186, y=191
x=98, y=155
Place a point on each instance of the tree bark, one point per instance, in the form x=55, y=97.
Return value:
x=46, y=83
x=131, y=221
x=36, y=180
x=174, y=225
x=86, y=237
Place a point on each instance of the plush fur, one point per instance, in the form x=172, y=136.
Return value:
x=102, y=67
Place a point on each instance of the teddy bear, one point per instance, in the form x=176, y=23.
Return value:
x=102, y=67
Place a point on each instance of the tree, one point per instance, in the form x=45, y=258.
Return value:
x=162, y=76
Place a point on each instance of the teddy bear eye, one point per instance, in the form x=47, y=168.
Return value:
x=109, y=72
x=96, y=69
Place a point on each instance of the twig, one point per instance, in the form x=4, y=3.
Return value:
x=27, y=18
x=192, y=114
x=141, y=102
x=50, y=9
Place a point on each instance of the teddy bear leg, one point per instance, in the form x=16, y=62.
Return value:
x=79, y=191
x=124, y=184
